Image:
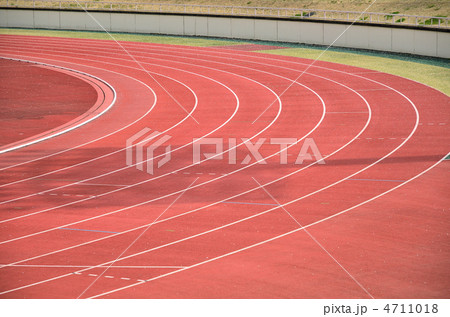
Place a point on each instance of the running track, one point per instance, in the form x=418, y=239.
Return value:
x=371, y=222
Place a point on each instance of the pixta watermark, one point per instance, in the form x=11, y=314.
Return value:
x=141, y=149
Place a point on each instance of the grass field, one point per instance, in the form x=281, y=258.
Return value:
x=434, y=73
x=413, y=7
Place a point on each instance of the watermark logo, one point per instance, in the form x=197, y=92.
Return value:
x=142, y=149
x=144, y=145
x=307, y=151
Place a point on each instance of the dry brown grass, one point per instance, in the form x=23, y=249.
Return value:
x=413, y=7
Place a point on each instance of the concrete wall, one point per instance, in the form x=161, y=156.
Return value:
x=402, y=40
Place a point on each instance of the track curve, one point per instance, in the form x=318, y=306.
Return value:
x=70, y=213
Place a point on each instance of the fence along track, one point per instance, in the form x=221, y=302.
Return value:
x=288, y=13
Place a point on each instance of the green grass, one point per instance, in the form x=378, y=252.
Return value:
x=175, y=40
x=432, y=72
x=433, y=21
x=415, y=68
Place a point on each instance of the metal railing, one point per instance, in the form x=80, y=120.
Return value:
x=288, y=13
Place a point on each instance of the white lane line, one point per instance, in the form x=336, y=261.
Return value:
x=374, y=89
x=51, y=266
x=112, y=185
x=112, y=277
x=338, y=112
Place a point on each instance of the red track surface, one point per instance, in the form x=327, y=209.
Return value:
x=372, y=221
x=35, y=99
